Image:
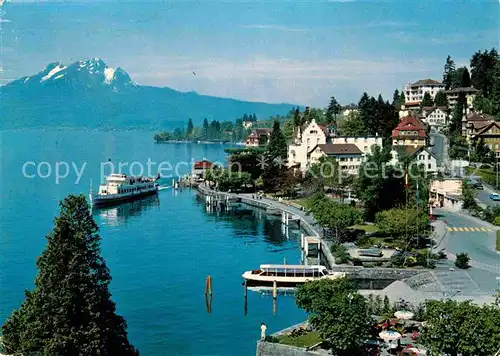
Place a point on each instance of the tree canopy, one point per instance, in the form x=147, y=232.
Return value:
x=482, y=66
x=275, y=159
x=440, y=99
x=461, y=328
x=338, y=312
x=379, y=185
x=70, y=311
x=427, y=100
x=449, y=71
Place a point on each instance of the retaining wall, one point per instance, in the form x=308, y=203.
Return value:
x=273, y=349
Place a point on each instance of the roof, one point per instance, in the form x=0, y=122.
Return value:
x=263, y=131
x=462, y=90
x=485, y=128
x=427, y=82
x=326, y=129
x=339, y=149
x=431, y=109
x=410, y=123
x=204, y=164
x=412, y=150
x=351, y=106
x=473, y=116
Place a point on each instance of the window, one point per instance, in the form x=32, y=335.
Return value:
x=313, y=132
x=317, y=141
x=429, y=166
x=308, y=141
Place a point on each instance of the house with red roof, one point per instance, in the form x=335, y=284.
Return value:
x=200, y=167
x=258, y=137
x=411, y=131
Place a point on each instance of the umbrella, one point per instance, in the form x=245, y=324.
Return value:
x=403, y=314
x=389, y=335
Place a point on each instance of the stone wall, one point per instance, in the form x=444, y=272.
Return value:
x=273, y=349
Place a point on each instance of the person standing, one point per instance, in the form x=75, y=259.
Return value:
x=263, y=329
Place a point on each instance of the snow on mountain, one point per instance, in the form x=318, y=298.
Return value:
x=109, y=74
x=88, y=72
x=52, y=72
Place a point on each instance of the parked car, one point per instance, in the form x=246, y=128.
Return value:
x=495, y=197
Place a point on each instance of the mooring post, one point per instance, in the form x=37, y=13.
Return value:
x=208, y=286
x=275, y=291
x=246, y=289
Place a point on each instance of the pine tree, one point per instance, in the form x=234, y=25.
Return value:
x=205, y=130
x=69, y=312
x=296, y=118
x=440, y=99
x=396, y=97
x=461, y=78
x=482, y=66
x=449, y=71
x=333, y=110
x=426, y=101
x=495, y=93
x=190, y=127
x=254, y=117
x=455, y=126
x=275, y=159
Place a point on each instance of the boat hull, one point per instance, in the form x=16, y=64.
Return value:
x=253, y=280
x=102, y=201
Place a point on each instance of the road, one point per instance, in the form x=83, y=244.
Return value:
x=440, y=147
x=483, y=196
x=477, y=238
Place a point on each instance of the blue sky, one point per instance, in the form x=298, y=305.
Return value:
x=274, y=51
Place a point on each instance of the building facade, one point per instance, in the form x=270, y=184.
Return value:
x=311, y=135
x=435, y=116
x=411, y=131
x=348, y=156
x=490, y=133
x=446, y=193
x=414, y=92
x=421, y=156
x=473, y=123
x=469, y=92
x=258, y=137
x=364, y=144
x=348, y=109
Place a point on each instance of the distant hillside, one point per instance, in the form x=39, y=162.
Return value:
x=90, y=94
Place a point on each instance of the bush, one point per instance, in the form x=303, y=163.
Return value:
x=462, y=260
x=497, y=221
x=397, y=260
x=272, y=339
x=340, y=253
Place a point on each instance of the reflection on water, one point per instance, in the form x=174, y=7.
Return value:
x=119, y=214
x=252, y=221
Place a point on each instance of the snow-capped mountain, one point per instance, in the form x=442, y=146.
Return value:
x=90, y=73
x=91, y=94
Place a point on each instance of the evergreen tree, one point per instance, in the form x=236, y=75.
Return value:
x=495, y=93
x=296, y=118
x=190, y=127
x=245, y=117
x=306, y=116
x=333, y=110
x=455, y=126
x=205, y=129
x=402, y=97
x=482, y=66
x=275, y=159
x=449, y=71
x=69, y=312
x=440, y=99
x=395, y=97
x=426, y=101
x=461, y=78
x=353, y=126
x=254, y=117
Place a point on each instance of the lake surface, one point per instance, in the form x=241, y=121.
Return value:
x=159, y=250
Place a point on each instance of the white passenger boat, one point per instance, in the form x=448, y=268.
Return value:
x=288, y=275
x=121, y=188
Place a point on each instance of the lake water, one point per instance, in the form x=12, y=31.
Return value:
x=159, y=250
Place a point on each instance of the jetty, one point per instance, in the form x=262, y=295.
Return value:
x=290, y=214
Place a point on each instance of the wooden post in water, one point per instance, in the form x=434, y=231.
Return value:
x=208, y=286
x=246, y=289
x=275, y=291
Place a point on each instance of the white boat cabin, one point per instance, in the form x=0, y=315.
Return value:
x=291, y=271
x=118, y=183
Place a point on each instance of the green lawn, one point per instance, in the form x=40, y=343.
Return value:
x=302, y=202
x=486, y=174
x=306, y=340
x=498, y=240
x=365, y=228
